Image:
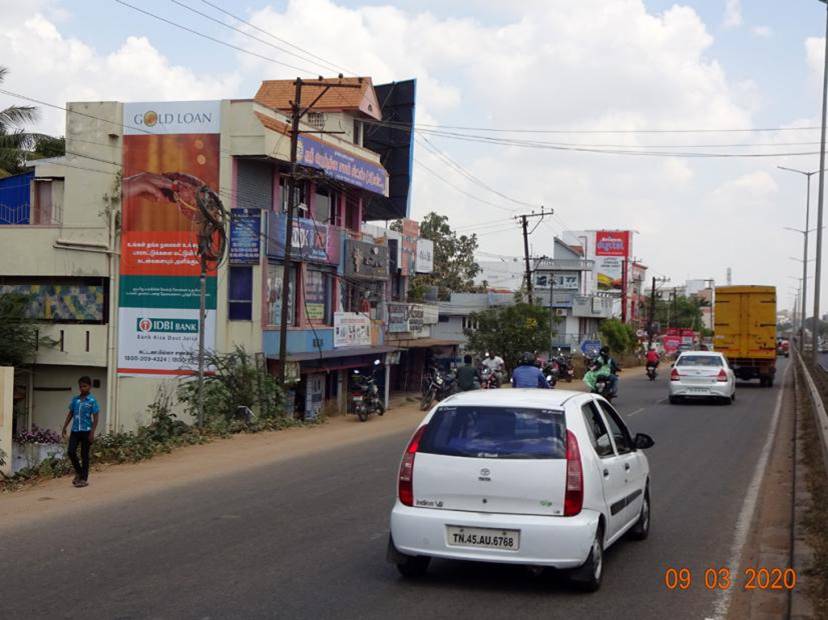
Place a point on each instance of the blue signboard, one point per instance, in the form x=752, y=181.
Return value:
x=245, y=236
x=311, y=240
x=342, y=166
x=591, y=348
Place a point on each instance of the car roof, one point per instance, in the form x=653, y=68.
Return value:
x=533, y=398
x=703, y=353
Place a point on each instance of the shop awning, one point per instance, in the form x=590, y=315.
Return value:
x=423, y=343
x=341, y=352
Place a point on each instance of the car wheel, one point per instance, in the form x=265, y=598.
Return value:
x=674, y=400
x=588, y=576
x=733, y=396
x=727, y=401
x=641, y=529
x=413, y=566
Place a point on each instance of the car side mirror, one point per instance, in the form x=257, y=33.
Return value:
x=643, y=441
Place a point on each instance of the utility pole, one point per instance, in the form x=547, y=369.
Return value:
x=296, y=114
x=624, y=283
x=551, y=310
x=675, y=306
x=818, y=272
x=524, y=220
x=652, y=309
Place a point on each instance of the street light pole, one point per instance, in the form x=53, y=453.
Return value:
x=818, y=271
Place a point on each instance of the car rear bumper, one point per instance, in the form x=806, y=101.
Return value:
x=560, y=542
x=712, y=390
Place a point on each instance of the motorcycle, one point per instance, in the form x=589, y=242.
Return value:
x=551, y=371
x=437, y=386
x=565, y=370
x=365, y=396
x=490, y=380
x=652, y=373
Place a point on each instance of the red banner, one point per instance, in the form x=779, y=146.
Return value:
x=612, y=243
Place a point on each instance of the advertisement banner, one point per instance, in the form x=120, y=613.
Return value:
x=275, y=274
x=312, y=241
x=612, y=247
x=170, y=150
x=424, y=262
x=366, y=261
x=245, y=236
x=314, y=291
x=351, y=329
x=342, y=166
x=561, y=280
x=408, y=247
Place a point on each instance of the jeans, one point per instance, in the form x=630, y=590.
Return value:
x=82, y=466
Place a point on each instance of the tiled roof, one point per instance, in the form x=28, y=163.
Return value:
x=278, y=94
x=273, y=124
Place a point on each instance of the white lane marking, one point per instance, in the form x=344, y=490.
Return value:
x=722, y=602
x=629, y=415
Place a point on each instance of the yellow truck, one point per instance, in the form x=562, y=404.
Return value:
x=745, y=330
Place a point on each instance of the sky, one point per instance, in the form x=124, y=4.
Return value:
x=621, y=67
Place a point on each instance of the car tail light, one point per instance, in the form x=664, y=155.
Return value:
x=574, y=497
x=406, y=479
x=674, y=375
x=722, y=376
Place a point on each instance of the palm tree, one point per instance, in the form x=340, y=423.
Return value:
x=15, y=143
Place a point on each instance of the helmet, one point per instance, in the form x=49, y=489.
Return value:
x=604, y=351
x=527, y=359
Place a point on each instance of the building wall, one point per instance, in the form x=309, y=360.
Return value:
x=53, y=388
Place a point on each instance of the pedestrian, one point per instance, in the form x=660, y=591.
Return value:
x=83, y=414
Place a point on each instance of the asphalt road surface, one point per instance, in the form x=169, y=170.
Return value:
x=306, y=538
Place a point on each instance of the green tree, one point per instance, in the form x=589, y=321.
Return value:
x=684, y=312
x=454, y=264
x=510, y=331
x=19, y=337
x=619, y=337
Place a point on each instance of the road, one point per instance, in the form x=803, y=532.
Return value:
x=306, y=537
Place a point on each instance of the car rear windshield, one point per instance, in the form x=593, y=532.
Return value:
x=496, y=432
x=699, y=360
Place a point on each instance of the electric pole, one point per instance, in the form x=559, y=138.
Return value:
x=296, y=114
x=524, y=219
x=652, y=309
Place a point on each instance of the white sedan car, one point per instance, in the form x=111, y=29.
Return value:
x=702, y=374
x=523, y=476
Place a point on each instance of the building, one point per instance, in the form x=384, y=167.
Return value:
x=103, y=239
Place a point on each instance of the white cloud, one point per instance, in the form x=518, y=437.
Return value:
x=815, y=55
x=46, y=65
x=733, y=14
x=762, y=31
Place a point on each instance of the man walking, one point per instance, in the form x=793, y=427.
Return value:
x=83, y=414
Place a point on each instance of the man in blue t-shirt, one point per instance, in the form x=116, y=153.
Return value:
x=527, y=375
x=83, y=414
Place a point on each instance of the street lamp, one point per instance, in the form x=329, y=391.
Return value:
x=818, y=272
x=804, y=232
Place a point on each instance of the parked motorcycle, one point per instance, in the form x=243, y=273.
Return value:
x=437, y=386
x=365, y=395
x=551, y=371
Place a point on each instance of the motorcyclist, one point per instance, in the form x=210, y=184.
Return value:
x=468, y=377
x=495, y=364
x=604, y=359
x=653, y=358
x=527, y=374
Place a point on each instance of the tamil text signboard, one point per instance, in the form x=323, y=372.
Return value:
x=351, y=329
x=342, y=166
x=245, y=236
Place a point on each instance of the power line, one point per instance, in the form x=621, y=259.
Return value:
x=281, y=40
x=327, y=66
x=462, y=191
x=215, y=40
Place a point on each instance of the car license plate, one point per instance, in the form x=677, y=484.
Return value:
x=487, y=538
x=698, y=390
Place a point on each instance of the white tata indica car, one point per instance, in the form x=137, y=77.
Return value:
x=702, y=374
x=523, y=476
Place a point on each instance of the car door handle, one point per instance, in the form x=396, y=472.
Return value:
x=606, y=473
x=627, y=466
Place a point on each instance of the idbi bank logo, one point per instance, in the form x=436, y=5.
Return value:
x=168, y=326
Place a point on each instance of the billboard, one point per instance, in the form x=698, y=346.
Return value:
x=408, y=247
x=310, y=240
x=170, y=150
x=609, y=251
x=424, y=262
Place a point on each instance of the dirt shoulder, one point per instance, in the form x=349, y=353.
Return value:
x=114, y=483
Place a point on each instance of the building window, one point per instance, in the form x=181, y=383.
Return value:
x=301, y=196
x=443, y=318
x=274, y=295
x=357, y=132
x=325, y=206
x=316, y=120
x=469, y=323
x=315, y=287
x=240, y=294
